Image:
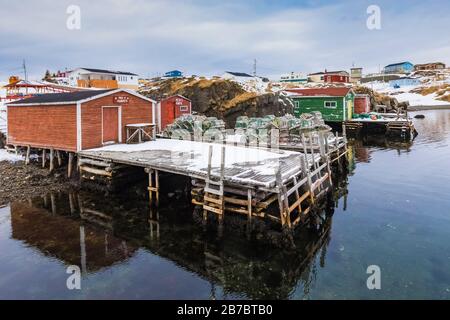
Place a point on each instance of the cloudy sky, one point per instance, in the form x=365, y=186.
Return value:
x=207, y=37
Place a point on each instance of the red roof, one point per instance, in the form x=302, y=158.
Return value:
x=317, y=92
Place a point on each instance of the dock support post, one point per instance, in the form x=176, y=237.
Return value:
x=157, y=187
x=70, y=165
x=249, y=205
x=283, y=201
x=58, y=156
x=43, y=158
x=27, y=157
x=52, y=160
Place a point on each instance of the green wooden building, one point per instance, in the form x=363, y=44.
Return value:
x=335, y=104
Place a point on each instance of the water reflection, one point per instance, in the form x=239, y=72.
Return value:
x=98, y=233
x=390, y=210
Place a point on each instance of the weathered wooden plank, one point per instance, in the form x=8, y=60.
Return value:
x=96, y=171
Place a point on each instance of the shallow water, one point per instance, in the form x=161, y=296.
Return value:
x=393, y=211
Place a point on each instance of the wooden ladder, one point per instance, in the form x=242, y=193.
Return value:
x=213, y=198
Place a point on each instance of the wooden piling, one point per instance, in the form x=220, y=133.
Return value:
x=58, y=156
x=52, y=162
x=70, y=165
x=43, y=158
x=27, y=157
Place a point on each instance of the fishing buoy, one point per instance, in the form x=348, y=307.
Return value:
x=373, y=117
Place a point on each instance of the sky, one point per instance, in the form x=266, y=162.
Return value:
x=209, y=37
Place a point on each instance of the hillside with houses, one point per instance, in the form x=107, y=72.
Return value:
x=235, y=93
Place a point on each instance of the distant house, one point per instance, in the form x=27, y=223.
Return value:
x=236, y=75
x=103, y=79
x=400, y=67
x=335, y=104
x=329, y=77
x=429, y=66
x=294, y=77
x=173, y=74
x=404, y=81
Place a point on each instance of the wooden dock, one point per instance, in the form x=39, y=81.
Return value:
x=225, y=178
x=391, y=125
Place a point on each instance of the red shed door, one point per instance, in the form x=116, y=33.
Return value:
x=110, y=124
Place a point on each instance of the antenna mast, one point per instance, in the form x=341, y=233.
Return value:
x=25, y=75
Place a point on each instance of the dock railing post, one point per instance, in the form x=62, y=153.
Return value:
x=305, y=173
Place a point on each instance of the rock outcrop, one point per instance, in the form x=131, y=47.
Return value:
x=221, y=98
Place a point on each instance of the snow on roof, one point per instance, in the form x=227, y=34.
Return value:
x=25, y=83
x=317, y=92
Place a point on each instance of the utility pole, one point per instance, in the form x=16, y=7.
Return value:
x=254, y=67
x=25, y=75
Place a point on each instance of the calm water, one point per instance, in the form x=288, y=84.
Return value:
x=393, y=210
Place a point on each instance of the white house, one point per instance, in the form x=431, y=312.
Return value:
x=236, y=76
x=105, y=79
x=295, y=77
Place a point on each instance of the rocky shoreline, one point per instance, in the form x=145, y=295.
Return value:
x=20, y=182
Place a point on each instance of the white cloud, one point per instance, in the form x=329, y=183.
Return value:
x=204, y=37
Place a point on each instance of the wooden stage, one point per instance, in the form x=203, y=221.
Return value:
x=224, y=177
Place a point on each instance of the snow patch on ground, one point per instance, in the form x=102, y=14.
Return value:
x=10, y=157
x=404, y=93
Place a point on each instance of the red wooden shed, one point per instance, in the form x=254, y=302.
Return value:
x=171, y=108
x=362, y=103
x=76, y=121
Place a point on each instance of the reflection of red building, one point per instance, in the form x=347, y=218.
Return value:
x=67, y=239
x=171, y=108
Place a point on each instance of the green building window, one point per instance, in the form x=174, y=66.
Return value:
x=330, y=104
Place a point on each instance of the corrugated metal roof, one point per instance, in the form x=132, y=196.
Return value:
x=317, y=92
x=239, y=74
x=397, y=64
